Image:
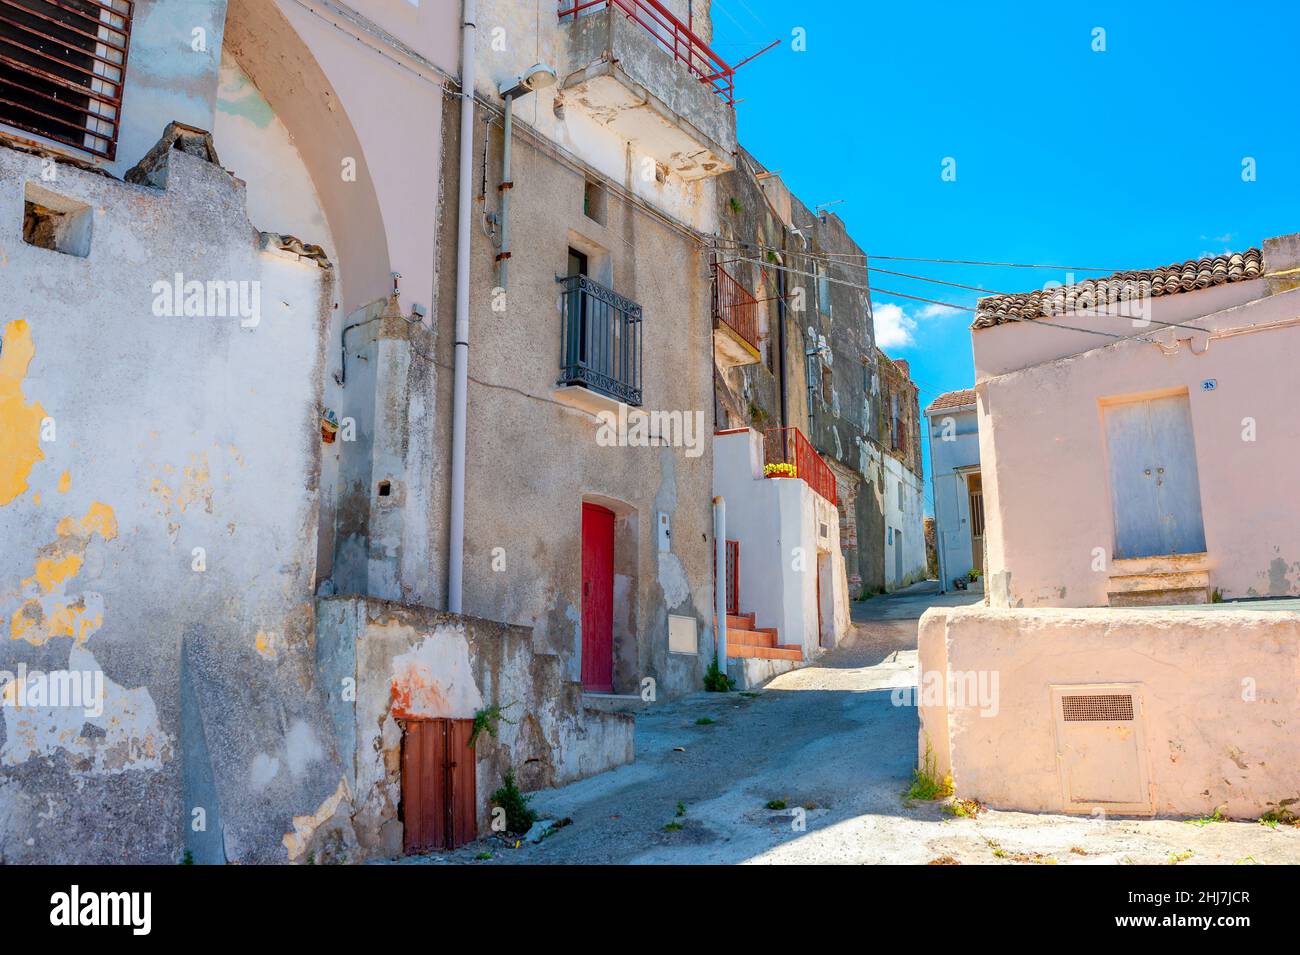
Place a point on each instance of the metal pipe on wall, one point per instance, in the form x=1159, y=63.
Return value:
x=503, y=256
x=460, y=381
x=720, y=578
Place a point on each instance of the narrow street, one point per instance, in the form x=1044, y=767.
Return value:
x=828, y=740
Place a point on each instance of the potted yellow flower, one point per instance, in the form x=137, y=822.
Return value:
x=780, y=471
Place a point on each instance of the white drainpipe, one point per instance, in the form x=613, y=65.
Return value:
x=720, y=578
x=460, y=382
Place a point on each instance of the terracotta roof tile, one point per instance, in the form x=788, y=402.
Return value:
x=952, y=399
x=1121, y=287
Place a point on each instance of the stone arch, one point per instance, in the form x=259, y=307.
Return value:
x=285, y=72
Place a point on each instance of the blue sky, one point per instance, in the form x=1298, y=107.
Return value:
x=1127, y=158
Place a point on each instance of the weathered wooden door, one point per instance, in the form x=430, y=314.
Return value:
x=438, y=785
x=1155, y=490
x=597, y=598
x=975, y=489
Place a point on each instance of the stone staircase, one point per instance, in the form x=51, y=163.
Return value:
x=745, y=640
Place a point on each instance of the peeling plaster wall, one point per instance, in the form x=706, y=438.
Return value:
x=1219, y=730
x=410, y=662
x=161, y=435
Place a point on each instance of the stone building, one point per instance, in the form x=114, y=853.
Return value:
x=815, y=367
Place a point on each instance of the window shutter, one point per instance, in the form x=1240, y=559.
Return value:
x=62, y=68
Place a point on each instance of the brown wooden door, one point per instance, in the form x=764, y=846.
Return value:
x=597, y=598
x=439, y=799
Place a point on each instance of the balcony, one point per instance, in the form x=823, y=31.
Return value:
x=736, y=338
x=600, y=356
x=789, y=446
x=643, y=74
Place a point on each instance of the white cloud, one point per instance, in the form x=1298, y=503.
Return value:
x=938, y=311
x=894, y=327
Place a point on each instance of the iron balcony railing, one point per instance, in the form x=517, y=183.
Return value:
x=735, y=306
x=601, y=346
x=673, y=36
x=62, y=68
x=789, y=446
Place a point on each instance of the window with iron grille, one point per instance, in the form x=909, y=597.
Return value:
x=62, y=66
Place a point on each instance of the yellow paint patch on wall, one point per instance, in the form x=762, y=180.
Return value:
x=65, y=482
x=52, y=571
x=265, y=644
x=100, y=518
x=47, y=611
x=20, y=422
x=194, y=490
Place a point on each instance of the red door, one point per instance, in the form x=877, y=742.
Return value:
x=597, y=598
x=438, y=806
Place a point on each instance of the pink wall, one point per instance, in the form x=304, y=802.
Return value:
x=1215, y=730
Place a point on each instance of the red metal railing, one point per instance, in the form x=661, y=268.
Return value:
x=734, y=305
x=673, y=36
x=62, y=69
x=789, y=446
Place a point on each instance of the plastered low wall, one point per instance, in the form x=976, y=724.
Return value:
x=1218, y=692
x=401, y=661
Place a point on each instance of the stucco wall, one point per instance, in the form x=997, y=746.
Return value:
x=134, y=439
x=532, y=460
x=1047, y=490
x=1216, y=721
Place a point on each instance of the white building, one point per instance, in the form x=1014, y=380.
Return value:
x=953, y=431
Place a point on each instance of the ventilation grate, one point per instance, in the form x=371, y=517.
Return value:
x=1097, y=708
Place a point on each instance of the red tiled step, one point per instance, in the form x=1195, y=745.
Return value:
x=767, y=653
x=741, y=621
x=750, y=638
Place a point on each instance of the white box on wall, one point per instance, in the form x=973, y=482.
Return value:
x=682, y=635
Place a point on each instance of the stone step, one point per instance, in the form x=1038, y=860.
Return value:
x=613, y=702
x=1166, y=597
x=1169, y=564
x=1162, y=581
